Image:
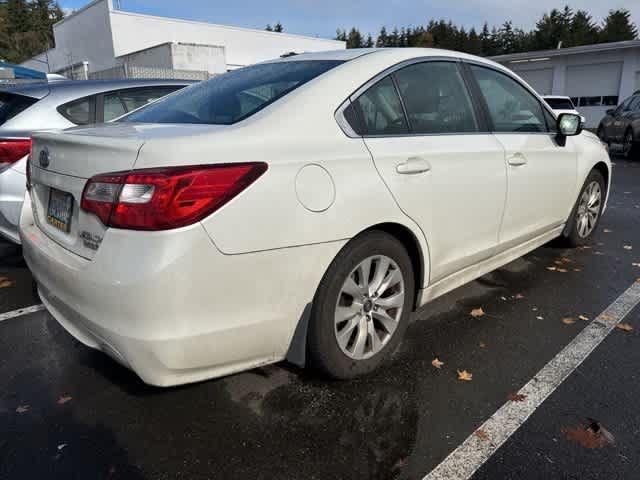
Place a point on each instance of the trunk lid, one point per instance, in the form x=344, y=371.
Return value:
x=61, y=163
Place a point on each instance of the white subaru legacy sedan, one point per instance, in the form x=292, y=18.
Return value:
x=300, y=208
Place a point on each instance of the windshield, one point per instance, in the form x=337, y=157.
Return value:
x=560, y=103
x=12, y=104
x=233, y=96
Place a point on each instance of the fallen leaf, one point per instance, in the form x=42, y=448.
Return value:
x=464, y=376
x=605, y=317
x=598, y=253
x=558, y=262
x=551, y=269
x=437, y=363
x=482, y=345
x=5, y=282
x=566, y=260
x=63, y=400
x=519, y=296
x=61, y=446
x=400, y=464
x=516, y=397
x=584, y=247
x=568, y=320
x=606, y=230
x=539, y=318
x=534, y=309
x=561, y=270
x=481, y=434
x=636, y=264
x=477, y=312
x=577, y=269
x=583, y=318
x=504, y=299
x=624, y=326
x=628, y=247
x=23, y=409
x=590, y=436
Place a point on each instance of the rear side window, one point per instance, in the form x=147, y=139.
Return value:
x=381, y=110
x=436, y=98
x=512, y=108
x=80, y=112
x=12, y=104
x=235, y=95
x=559, y=103
x=139, y=97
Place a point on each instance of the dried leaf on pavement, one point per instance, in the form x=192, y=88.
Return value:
x=519, y=296
x=464, y=376
x=437, y=363
x=482, y=345
x=624, y=327
x=577, y=269
x=605, y=317
x=561, y=270
x=628, y=247
x=23, y=409
x=64, y=399
x=516, y=397
x=635, y=264
x=551, y=269
x=539, y=317
x=5, y=282
x=481, y=434
x=477, y=312
x=591, y=436
x=568, y=320
x=606, y=230
x=583, y=318
x=566, y=260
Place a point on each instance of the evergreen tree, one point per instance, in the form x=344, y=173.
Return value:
x=582, y=30
x=474, y=43
x=269, y=28
x=278, y=27
x=383, y=39
x=369, y=42
x=617, y=26
x=354, y=39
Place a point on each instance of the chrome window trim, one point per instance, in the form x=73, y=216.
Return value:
x=349, y=132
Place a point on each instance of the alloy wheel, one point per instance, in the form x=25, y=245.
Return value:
x=589, y=209
x=369, y=307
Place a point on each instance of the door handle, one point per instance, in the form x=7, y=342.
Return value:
x=413, y=165
x=517, y=159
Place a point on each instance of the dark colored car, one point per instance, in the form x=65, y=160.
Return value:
x=622, y=125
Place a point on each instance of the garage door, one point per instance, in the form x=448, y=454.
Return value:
x=594, y=88
x=541, y=80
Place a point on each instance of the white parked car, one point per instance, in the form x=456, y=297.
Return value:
x=561, y=104
x=300, y=208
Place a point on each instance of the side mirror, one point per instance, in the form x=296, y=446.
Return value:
x=569, y=124
x=611, y=111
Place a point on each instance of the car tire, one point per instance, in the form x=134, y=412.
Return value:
x=351, y=306
x=594, y=190
x=629, y=146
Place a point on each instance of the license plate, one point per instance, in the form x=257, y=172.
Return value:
x=60, y=210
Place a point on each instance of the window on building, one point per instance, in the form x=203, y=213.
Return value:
x=590, y=101
x=436, y=98
x=610, y=100
x=512, y=107
x=381, y=110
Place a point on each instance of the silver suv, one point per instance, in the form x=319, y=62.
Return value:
x=59, y=105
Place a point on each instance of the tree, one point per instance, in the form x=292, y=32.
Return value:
x=369, y=42
x=278, y=27
x=354, y=39
x=383, y=39
x=269, y=28
x=617, y=26
x=582, y=30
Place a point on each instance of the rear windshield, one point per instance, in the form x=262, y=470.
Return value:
x=12, y=104
x=560, y=103
x=233, y=96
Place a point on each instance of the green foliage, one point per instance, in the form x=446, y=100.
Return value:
x=558, y=27
x=26, y=28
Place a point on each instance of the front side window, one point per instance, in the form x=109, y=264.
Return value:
x=436, y=98
x=512, y=108
x=235, y=95
x=381, y=111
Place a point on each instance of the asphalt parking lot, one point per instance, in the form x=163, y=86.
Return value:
x=68, y=412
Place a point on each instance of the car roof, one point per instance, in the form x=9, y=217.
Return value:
x=558, y=97
x=86, y=87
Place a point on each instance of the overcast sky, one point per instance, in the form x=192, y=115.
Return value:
x=322, y=17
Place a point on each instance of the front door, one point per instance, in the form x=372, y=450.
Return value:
x=541, y=170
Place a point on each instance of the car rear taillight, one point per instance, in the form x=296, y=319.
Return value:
x=165, y=198
x=13, y=149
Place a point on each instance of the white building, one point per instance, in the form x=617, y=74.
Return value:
x=596, y=77
x=100, y=38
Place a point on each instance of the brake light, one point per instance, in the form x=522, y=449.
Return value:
x=165, y=198
x=13, y=149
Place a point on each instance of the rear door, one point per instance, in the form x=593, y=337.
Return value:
x=541, y=171
x=431, y=148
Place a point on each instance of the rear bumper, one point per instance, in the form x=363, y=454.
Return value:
x=12, y=188
x=170, y=306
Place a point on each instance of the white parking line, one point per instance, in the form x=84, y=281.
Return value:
x=20, y=312
x=465, y=460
